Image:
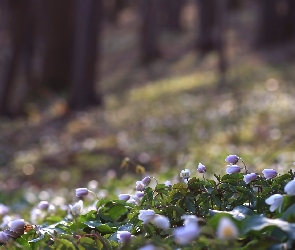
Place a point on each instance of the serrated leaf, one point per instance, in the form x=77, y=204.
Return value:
x=105, y=229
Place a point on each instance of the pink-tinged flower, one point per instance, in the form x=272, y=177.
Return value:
x=232, y=159
x=77, y=208
x=227, y=229
x=124, y=197
x=17, y=225
x=275, y=201
x=123, y=236
x=249, y=177
x=233, y=169
x=168, y=183
x=269, y=173
x=201, y=168
x=82, y=192
x=139, y=186
x=184, y=235
x=290, y=187
x=189, y=219
x=161, y=222
x=43, y=205
x=3, y=237
x=146, y=180
x=146, y=216
x=185, y=173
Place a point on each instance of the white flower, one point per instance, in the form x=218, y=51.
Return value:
x=233, y=169
x=124, y=197
x=275, y=201
x=269, y=173
x=227, y=229
x=146, y=180
x=123, y=236
x=249, y=177
x=161, y=222
x=51, y=209
x=168, y=183
x=37, y=215
x=185, y=173
x=290, y=187
x=189, y=219
x=146, y=215
x=139, y=194
x=184, y=235
x=77, y=208
x=139, y=186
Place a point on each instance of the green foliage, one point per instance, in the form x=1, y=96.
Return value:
x=231, y=214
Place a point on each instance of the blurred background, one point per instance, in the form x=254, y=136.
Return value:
x=166, y=83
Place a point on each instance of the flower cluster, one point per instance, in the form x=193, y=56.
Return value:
x=149, y=215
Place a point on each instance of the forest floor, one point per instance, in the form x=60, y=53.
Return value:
x=165, y=117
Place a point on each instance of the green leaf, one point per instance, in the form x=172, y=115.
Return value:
x=105, y=229
x=117, y=211
x=24, y=243
x=64, y=244
x=86, y=243
x=189, y=203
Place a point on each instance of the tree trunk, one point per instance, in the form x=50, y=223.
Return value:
x=20, y=26
x=149, y=30
x=207, y=22
x=88, y=16
x=277, y=22
x=57, y=35
x=171, y=14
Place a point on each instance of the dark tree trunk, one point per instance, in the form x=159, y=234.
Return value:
x=149, y=30
x=207, y=22
x=277, y=22
x=58, y=39
x=171, y=14
x=20, y=24
x=88, y=16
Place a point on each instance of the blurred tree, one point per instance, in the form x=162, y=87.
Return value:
x=212, y=28
x=149, y=30
x=20, y=24
x=171, y=14
x=57, y=33
x=277, y=22
x=85, y=56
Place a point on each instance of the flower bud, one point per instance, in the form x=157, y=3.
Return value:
x=233, y=159
x=139, y=186
x=233, y=169
x=81, y=192
x=249, y=177
x=185, y=173
x=17, y=225
x=43, y=205
x=269, y=173
x=201, y=168
x=290, y=187
x=3, y=209
x=123, y=236
x=146, y=215
x=3, y=237
x=148, y=247
x=146, y=180
x=124, y=197
x=139, y=194
x=275, y=201
x=161, y=222
x=77, y=208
